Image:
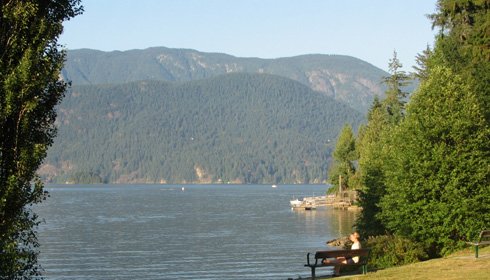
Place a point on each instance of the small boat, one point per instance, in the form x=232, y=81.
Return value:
x=274, y=186
x=295, y=203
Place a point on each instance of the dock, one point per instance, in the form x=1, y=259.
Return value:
x=312, y=202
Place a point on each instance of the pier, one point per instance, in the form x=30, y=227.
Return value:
x=309, y=203
x=344, y=202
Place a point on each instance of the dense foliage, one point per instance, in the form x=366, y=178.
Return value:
x=242, y=128
x=343, y=161
x=432, y=182
x=373, y=148
x=437, y=179
x=30, y=88
x=344, y=78
x=393, y=250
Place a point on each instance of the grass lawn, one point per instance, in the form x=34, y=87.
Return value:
x=461, y=265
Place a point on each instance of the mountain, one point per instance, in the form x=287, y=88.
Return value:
x=239, y=127
x=347, y=79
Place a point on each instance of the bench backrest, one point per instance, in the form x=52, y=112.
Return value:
x=484, y=236
x=343, y=253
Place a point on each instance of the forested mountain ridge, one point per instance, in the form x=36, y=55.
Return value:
x=347, y=79
x=241, y=128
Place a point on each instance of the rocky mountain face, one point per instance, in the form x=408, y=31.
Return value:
x=346, y=79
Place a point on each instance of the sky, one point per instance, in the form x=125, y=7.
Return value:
x=367, y=29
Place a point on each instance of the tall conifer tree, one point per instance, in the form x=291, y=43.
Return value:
x=343, y=158
x=395, y=93
x=374, y=144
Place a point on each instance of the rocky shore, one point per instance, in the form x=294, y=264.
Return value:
x=342, y=242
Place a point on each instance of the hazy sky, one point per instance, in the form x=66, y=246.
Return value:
x=366, y=29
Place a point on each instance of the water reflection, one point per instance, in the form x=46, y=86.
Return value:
x=332, y=223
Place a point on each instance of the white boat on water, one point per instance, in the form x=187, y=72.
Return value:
x=295, y=203
x=274, y=186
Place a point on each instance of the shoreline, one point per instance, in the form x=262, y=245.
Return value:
x=341, y=242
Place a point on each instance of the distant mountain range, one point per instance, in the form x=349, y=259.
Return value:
x=164, y=115
x=347, y=79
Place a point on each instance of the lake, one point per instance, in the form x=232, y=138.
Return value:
x=162, y=232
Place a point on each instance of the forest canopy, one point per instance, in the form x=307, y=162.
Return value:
x=241, y=128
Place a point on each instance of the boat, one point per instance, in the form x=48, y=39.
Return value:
x=274, y=186
x=295, y=203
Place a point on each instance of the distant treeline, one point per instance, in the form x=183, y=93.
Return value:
x=243, y=128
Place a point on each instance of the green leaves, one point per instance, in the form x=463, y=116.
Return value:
x=374, y=145
x=432, y=185
x=393, y=250
x=29, y=89
x=343, y=159
x=442, y=147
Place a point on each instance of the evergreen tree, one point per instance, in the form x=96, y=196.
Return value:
x=373, y=146
x=421, y=59
x=395, y=94
x=438, y=177
x=343, y=159
x=370, y=146
x=463, y=44
x=30, y=87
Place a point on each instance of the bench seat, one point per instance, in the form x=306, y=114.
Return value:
x=483, y=239
x=319, y=256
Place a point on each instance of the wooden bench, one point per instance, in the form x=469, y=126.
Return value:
x=483, y=239
x=319, y=256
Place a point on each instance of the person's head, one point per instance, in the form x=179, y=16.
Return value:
x=354, y=236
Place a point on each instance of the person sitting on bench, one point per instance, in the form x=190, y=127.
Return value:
x=356, y=244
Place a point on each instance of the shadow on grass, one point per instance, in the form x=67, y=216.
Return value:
x=327, y=273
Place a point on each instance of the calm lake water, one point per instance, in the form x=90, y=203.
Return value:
x=162, y=232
